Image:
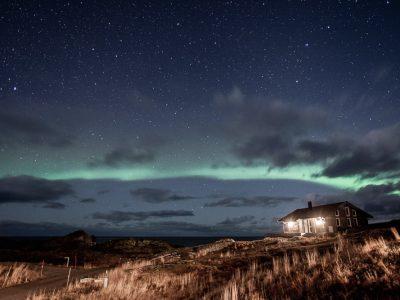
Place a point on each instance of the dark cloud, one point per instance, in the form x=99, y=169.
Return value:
x=144, y=151
x=281, y=152
x=27, y=189
x=17, y=228
x=103, y=192
x=87, y=200
x=258, y=118
x=54, y=205
x=381, y=200
x=163, y=228
x=22, y=129
x=280, y=135
x=250, y=201
x=376, y=154
x=123, y=156
x=268, y=131
x=124, y=216
x=153, y=195
x=236, y=221
x=219, y=229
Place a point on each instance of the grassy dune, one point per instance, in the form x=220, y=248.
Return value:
x=273, y=268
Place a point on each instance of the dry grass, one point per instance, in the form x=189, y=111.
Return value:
x=13, y=274
x=345, y=270
x=369, y=270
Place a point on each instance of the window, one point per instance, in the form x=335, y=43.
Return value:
x=347, y=211
x=337, y=222
x=354, y=213
x=337, y=213
x=349, y=222
x=355, y=221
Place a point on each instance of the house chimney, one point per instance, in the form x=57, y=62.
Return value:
x=309, y=205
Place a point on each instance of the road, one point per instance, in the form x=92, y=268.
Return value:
x=54, y=278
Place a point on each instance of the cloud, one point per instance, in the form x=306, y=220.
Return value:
x=235, y=97
x=22, y=129
x=279, y=135
x=27, y=189
x=153, y=195
x=103, y=192
x=267, y=131
x=376, y=154
x=54, y=205
x=167, y=228
x=121, y=157
x=250, y=201
x=144, y=151
x=220, y=229
x=18, y=228
x=236, y=221
x=380, y=200
x=124, y=216
x=87, y=200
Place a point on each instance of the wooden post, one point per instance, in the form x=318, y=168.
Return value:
x=105, y=282
x=69, y=274
x=75, y=261
x=67, y=258
x=41, y=269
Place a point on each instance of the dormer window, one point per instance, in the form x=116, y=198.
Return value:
x=347, y=211
x=337, y=213
x=354, y=213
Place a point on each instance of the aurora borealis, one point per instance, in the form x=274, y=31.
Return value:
x=200, y=118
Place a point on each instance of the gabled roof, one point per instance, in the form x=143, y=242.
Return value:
x=319, y=211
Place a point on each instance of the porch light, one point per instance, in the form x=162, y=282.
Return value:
x=291, y=224
x=320, y=221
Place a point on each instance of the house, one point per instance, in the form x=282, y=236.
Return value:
x=327, y=218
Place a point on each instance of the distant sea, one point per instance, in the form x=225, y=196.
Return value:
x=185, y=241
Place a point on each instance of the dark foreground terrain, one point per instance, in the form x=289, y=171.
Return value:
x=362, y=265
x=81, y=249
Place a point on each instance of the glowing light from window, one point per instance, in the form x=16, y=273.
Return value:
x=320, y=221
x=291, y=224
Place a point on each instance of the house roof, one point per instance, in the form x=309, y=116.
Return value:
x=319, y=211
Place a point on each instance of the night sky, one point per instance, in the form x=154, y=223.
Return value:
x=195, y=117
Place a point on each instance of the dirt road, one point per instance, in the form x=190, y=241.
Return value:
x=54, y=278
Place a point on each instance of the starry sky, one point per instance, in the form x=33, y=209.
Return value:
x=154, y=118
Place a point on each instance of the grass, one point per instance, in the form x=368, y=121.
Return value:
x=265, y=269
x=17, y=273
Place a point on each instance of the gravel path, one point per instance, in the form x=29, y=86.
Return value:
x=54, y=278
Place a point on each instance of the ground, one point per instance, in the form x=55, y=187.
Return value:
x=355, y=265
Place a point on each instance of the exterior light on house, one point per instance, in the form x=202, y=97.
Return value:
x=291, y=224
x=319, y=221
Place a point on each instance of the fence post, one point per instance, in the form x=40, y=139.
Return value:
x=69, y=274
x=41, y=269
x=106, y=280
x=67, y=258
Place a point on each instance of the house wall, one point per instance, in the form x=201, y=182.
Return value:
x=330, y=222
x=362, y=221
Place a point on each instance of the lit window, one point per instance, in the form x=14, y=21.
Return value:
x=347, y=211
x=349, y=222
x=354, y=212
x=291, y=224
x=337, y=222
x=337, y=213
x=355, y=221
